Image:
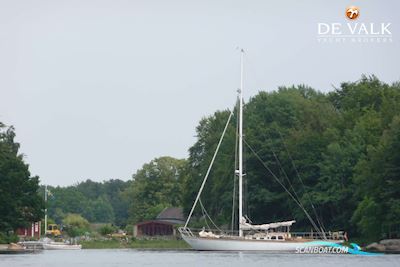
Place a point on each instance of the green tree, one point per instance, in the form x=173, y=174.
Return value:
x=155, y=186
x=95, y=201
x=75, y=225
x=102, y=210
x=21, y=203
x=377, y=178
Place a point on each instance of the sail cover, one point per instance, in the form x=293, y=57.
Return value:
x=247, y=226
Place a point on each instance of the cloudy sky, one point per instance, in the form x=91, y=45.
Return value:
x=95, y=89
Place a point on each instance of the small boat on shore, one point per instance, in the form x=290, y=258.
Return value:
x=49, y=244
x=60, y=245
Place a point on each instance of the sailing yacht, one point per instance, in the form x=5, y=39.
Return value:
x=274, y=236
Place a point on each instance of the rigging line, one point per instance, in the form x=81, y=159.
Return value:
x=245, y=183
x=236, y=167
x=287, y=177
x=302, y=183
x=287, y=191
x=209, y=169
x=205, y=211
x=225, y=174
x=204, y=214
x=249, y=59
x=290, y=194
x=256, y=77
x=285, y=174
x=291, y=186
x=233, y=201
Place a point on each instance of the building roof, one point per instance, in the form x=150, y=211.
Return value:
x=172, y=214
x=154, y=222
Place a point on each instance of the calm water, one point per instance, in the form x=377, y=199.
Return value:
x=122, y=258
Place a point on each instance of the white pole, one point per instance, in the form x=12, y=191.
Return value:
x=241, y=144
x=45, y=210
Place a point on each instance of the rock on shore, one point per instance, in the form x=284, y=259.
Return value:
x=13, y=246
x=386, y=245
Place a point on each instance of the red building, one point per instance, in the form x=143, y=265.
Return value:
x=163, y=225
x=154, y=228
x=32, y=231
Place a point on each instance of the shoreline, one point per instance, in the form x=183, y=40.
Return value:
x=135, y=244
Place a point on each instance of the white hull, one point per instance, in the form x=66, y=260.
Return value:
x=222, y=244
x=56, y=246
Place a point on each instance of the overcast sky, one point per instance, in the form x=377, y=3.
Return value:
x=95, y=89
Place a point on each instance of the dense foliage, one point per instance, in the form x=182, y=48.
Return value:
x=100, y=202
x=157, y=185
x=336, y=152
x=20, y=202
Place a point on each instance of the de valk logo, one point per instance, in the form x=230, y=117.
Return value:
x=352, y=12
x=354, y=30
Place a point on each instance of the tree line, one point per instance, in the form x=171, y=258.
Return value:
x=337, y=153
x=100, y=202
x=154, y=187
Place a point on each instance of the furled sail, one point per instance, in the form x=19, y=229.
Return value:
x=247, y=226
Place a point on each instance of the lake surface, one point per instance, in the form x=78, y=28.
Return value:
x=130, y=257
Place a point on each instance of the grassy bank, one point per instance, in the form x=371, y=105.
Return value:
x=140, y=244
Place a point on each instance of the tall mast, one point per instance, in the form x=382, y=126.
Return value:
x=241, y=144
